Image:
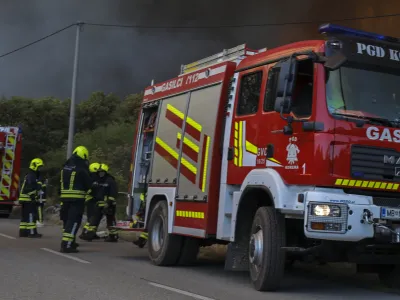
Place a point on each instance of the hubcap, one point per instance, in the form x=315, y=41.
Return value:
x=157, y=236
x=256, y=247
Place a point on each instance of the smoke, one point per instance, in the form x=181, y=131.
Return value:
x=124, y=61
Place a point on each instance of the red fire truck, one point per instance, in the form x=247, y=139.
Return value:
x=10, y=159
x=284, y=154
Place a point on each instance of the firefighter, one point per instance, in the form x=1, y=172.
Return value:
x=90, y=201
x=105, y=193
x=141, y=242
x=41, y=202
x=28, y=197
x=75, y=183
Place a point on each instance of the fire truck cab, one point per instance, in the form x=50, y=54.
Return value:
x=10, y=154
x=284, y=154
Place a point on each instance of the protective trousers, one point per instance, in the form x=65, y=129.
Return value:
x=40, y=207
x=63, y=215
x=90, y=210
x=96, y=218
x=27, y=225
x=74, y=210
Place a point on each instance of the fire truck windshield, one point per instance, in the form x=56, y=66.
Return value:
x=365, y=94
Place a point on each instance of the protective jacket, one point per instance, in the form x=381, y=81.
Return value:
x=75, y=180
x=105, y=190
x=91, y=193
x=30, y=187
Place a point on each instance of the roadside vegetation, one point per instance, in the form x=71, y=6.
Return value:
x=105, y=124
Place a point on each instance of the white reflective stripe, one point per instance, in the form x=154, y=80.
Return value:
x=31, y=221
x=189, y=231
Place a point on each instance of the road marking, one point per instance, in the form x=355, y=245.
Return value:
x=7, y=236
x=180, y=291
x=66, y=255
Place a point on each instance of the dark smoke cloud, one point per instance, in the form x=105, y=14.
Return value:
x=124, y=61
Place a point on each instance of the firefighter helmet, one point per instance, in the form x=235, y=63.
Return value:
x=35, y=164
x=103, y=167
x=82, y=152
x=94, y=167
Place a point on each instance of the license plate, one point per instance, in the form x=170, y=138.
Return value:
x=390, y=213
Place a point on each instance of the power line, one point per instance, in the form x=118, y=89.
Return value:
x=243, y=25
x=37, y=41
x=199, y=27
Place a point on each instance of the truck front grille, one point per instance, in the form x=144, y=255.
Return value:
x=375, y=163
x=388, y=202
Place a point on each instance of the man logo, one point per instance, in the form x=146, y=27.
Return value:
x=391, y=160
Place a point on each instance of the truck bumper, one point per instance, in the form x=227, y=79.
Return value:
x=346, y=217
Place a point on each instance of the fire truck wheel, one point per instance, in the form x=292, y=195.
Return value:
x=189, y=252
x=164, y=248
x=267, y=260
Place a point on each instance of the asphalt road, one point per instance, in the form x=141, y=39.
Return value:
x=35, y=270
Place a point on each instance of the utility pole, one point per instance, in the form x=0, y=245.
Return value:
x=71, y=130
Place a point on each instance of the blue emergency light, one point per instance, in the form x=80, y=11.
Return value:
x=342, y=30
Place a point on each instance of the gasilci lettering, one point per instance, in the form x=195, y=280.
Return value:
x=374, y=133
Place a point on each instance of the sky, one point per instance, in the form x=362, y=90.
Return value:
x=125, y=60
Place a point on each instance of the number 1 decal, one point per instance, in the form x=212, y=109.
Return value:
x=304, y=168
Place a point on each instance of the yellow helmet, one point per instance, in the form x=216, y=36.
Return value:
x=94, y=167
x=35, y=164
x=103, y=167
x=82, y=152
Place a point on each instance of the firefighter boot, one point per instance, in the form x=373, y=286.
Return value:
x=89, y=236
x=112, y=238
x=66, y=249
x=140, y=242
x=35, y=236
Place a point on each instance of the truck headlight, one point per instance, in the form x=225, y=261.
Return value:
x=325, y=210
x=326, y=217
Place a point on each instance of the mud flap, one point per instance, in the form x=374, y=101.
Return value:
x=237, y=258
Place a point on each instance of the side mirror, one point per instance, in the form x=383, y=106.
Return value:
x=334, y=62
x=285, y=85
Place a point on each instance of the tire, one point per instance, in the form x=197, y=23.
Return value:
x=267, y=259
x=389, y=276
x=189, y=252
x=164, y=249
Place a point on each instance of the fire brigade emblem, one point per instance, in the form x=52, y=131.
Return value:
x=292, y=151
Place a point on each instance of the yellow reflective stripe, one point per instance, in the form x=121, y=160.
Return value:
x=190, y=214
x=111, y=198
x=240, y=144
x=380, y=185
x=73, y=192
x=251, y=148
x=181, y=115
x=175, y=154
x=141, y=197
x=188, y=142
x=203, y=188
x=73, y=196
x=71, y=181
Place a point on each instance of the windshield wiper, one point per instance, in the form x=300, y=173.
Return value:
x=382, y=121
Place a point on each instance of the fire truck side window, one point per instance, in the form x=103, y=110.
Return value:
x=270, y=92
x=303, y=90
x=249, y=93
